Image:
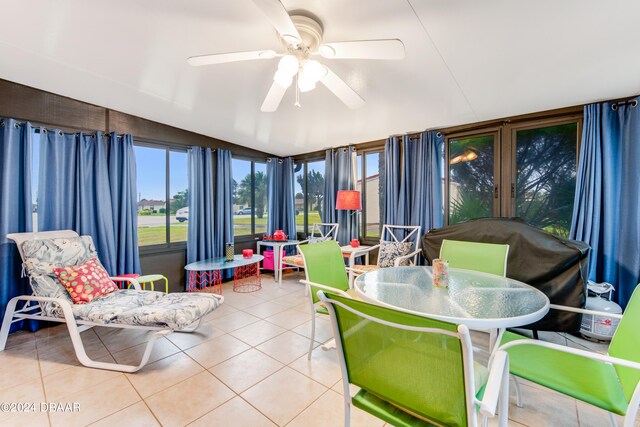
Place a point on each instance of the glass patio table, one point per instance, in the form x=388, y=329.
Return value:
x=474, y=299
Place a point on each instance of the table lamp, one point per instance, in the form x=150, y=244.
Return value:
x=349, y=200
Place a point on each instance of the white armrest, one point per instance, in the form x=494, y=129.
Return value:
x=576, y=351
x=497, y=370
x=325, y=288
x=413, y=254
x=132, y=282
x=363, y=251
x=583, y=311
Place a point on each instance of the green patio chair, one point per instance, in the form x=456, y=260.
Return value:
x=610, y=382
x=484, y=257
x=412, y=370
x=325, y=269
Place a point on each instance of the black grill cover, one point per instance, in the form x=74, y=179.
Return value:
x=558, y=267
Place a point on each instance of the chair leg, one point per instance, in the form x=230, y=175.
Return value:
x=313, y=332
x=347, y=411
x=503, y=403
x=612, y=419
x=516, y=382
x=7, y=321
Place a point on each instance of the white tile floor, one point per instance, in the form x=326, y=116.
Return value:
x=245, y=366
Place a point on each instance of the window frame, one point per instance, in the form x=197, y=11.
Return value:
x=168, y=245
x=505, y=157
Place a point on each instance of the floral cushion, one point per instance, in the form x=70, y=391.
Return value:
x=365, y=268
x=85, y=282
x=389, y=251
x=293, y=260
x=41, y=256
x=148, y=308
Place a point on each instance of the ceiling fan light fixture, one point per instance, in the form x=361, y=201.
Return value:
x=327, y=51
x=305, y=84
x=313, y=70
x=288, y=65
x=283, y=79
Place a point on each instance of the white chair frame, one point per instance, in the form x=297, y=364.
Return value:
x=32, y=310
x=634, y=404
x=496, y=395
x=412, y=235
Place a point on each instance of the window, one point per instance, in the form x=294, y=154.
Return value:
x=526, y=170
x=300, y=190
x=162, y=176
x=472, y=178
x=371, y=166
x=315, y=192
x=249, y=197
x=545, y=176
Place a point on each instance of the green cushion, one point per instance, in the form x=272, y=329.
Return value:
x=576, y=376
x=321, y=309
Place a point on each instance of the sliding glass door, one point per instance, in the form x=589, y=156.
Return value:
x=473, y=174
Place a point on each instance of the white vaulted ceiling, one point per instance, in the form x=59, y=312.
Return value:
x=466, y=61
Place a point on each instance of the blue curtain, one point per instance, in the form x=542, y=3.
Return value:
x=606, y=211
x=201, y=242
x=413, y=182
x=15, y=209
x=122, y=185
x=223, y=205
x=340, y=174
x=422, y=176
x=74, y=189
x=395, y=187
x=280, y=196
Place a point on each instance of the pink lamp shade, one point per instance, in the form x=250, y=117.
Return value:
x=348, y=200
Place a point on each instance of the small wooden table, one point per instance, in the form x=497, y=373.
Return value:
x=205, y=275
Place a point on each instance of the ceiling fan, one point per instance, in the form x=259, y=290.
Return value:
x=301, y=37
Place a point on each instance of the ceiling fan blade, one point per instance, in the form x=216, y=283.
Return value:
x=273, y=98
x=342, y=90
x=221, y=58
x=280, y=19
x=363, y=49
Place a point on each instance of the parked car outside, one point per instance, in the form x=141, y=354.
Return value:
x=182, y=214
x=245, y=211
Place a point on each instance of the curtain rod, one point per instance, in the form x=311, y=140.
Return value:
x=631, y=102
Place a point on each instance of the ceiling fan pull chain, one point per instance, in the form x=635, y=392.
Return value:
x=297, y=104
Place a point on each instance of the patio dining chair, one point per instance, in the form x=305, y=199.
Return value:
x=398, y=246
x=412, y=370
x=320, y=232
x=484, y=257
x=324, y=268
x=129, y=308
x=608, y=381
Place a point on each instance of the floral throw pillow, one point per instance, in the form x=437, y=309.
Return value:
x=85, y=282
x=389, y=251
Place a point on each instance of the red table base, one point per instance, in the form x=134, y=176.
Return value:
x=247, y=278
x=205, y=281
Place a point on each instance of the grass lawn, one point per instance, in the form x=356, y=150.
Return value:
x=157, y=235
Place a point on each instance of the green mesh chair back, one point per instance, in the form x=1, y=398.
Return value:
x=624, y=345
x=324, y=264
x=421, y=373
x=484, y=257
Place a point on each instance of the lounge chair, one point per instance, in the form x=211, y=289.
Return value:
x=130, y=308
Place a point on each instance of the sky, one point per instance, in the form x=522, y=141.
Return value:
x=151, y=171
